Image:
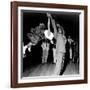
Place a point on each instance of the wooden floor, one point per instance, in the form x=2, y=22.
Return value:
x=72, y=68
x=48, y=70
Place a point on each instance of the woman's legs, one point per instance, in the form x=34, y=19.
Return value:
x=43, y=56
x=46, y=56
x=54, y=55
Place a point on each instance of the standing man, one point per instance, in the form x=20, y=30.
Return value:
x=70, y=41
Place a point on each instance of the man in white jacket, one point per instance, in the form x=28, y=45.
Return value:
x=59, y=51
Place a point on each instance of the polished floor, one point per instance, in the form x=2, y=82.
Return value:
x=48, y=70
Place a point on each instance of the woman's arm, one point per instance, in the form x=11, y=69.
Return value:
x=48, y=24
x=54, y=26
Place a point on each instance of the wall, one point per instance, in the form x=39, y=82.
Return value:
x=5, y=46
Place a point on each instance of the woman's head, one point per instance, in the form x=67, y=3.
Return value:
x=42, y=26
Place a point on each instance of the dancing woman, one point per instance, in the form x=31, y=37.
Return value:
x=46, y=43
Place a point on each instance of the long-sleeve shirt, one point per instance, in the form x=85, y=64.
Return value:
x=60, y=45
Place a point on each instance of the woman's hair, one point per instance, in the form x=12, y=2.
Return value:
x=42, y=26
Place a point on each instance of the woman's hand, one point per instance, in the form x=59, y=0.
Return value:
x=48, y=15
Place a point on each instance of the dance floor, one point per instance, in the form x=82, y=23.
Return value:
x=48, y=70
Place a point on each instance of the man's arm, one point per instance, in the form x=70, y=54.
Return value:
x=54, y=26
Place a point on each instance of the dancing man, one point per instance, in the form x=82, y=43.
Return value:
x=60, y=50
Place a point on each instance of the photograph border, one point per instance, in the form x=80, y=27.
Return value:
x=14, y=43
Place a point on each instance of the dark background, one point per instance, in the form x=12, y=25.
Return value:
x=69, y=21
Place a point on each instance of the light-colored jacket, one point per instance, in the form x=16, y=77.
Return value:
x=60, y=45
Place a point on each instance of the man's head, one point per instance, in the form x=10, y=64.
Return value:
x=69, y=37
x=59, y=29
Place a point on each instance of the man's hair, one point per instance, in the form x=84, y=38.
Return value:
x=62, y=29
